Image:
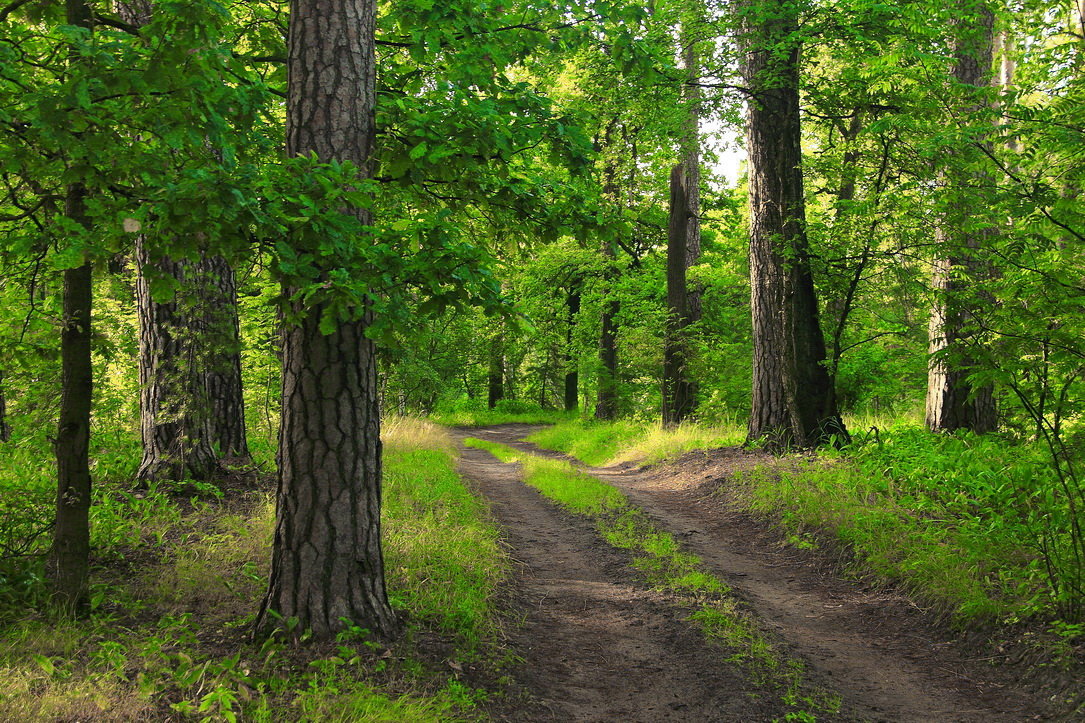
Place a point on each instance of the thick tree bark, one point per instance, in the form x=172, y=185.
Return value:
x=327, y=566
x=495, y=376
x=952, y=401
x=679, y=392
x=572, y=374
x=5, y=428
x=794, y=402
x=175, y=410
x=68, y=565
x=223, y=377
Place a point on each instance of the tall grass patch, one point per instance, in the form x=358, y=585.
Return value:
x=958, y=520
x=443, y=558
x=178, y=577
x=607, y=443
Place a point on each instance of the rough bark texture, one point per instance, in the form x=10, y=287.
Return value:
x=327, y=565
x=495, y=376
x=952, y=402
x=223, y=375
x=572, y=374
x=175, y=410
x=679, y=392
x=68, y=564
x=683, y=248
x=794, y=403
x=5, y=428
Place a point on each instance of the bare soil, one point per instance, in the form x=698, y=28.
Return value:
x=599, y=646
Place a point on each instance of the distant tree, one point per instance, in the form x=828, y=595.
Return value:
x=953, y=402
x=684, y=239
x=175, y=410
x=222, y=373
x=5, y=428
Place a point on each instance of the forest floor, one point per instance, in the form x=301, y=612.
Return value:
x=599, y=644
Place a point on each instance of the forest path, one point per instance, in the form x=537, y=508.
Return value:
x=599, y=646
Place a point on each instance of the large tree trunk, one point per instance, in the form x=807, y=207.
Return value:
x=794, y=403
x=175, y=410
x=5, y=428
x=327, y=565
x=952, y=401
x=572, y=374
x=223, y=377
x=495, y=376
x=679, y=393
x=684, y=246
x=69, y=560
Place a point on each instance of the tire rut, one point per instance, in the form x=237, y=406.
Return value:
x=597, y=646
x=882, y=656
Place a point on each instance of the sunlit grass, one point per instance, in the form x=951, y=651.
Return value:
x=956, y=521
x=178, y=579
x=609, y=443
x=436, y=529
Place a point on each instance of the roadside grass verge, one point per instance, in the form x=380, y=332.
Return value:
x=658, y=556
x=960, y=521
x=178, y=579
x=975, y=528
x=608, y=443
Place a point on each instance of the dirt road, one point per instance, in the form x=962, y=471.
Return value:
x=599, y=646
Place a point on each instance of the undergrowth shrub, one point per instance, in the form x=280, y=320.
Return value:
x=959, y=520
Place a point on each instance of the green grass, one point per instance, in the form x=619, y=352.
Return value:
x=436, y=529
x=475, y=413
x=658, y=556
x=962, y=522
x=959, y=521
x=177, y=582
x=606, y=443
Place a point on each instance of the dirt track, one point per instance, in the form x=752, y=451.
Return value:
x=599, y=646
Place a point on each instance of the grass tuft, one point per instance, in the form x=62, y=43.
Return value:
x=609, y=443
